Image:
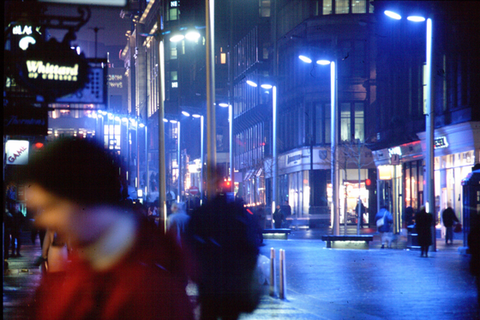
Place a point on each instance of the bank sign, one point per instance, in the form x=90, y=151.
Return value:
x=52, y=69
x=17, y=152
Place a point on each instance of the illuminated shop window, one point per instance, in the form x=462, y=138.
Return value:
x=341, y=6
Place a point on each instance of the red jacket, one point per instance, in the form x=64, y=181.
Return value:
x=146, y=284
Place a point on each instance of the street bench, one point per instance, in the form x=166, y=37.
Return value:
x=361, y=241
x=281, y=233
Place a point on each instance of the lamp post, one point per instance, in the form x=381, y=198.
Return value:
x=275, y=194
x=334, y=136
x=429, y=200
x=211, y=122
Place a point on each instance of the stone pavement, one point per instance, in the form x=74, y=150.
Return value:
x=327, y=283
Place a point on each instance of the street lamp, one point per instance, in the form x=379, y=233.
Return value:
x=268, y=86
x=334, y=138
x=429, y=200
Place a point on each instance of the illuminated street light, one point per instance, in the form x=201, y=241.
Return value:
x=274, y=140
x=334, y=142
x=392, y=15
x=429, y=199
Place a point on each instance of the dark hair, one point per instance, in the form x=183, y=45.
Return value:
x=79, y=170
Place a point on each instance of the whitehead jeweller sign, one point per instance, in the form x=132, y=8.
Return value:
x=52, y=69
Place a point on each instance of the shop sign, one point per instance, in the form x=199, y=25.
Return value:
x=17, y=152
x=25, y=120
x=439, y=143
x=52, y=69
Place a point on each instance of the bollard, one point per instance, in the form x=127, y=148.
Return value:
x=283, y=275
x=272, y=272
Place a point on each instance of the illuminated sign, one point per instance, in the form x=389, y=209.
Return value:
x=17, y=152
x=51, y=71
x=439, y=143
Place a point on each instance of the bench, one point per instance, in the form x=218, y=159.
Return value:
x=361, y=241
x=281, y=233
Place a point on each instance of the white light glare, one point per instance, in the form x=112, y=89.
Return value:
x=392, y=15
x=186, y=114
x=266, y=86
x=196, y=115
x=192, y=35
x=223, y=104
x=251, y=83
x=305, y=59
x=416, y=18
x=177, y=38
x=323, y=62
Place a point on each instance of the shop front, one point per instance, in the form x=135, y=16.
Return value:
x=309, y=193
x=400, y=180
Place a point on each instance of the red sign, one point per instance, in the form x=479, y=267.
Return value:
x=193, y=190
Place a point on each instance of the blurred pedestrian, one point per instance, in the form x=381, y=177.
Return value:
x=384, y=221
x=278, y=217
x=423, y=226
x=7, y=232
x=18, y=220
x=177, y=222
x=221, y=239
x=449, y=218
x=119, y=269
x=360, y=210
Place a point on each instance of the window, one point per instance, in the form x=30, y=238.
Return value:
x=327, y=7
x=173, y=14
x=173, y=52
x=359, y=6
x=264, y=8
x=359, y=121
x=345, y=122
x=223, y=58
x=341, y=6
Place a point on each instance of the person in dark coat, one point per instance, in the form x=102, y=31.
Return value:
x=423, y=225
x=449, y=218
x=18, y=219
x=278, y=217
x=221, y=238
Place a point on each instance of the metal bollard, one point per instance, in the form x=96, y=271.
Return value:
x=272, y=272
x=283, y=276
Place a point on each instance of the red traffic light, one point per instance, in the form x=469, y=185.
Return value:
x=368, y=182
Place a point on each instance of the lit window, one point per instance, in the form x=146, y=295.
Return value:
x=173, y=52
x=174, y=76
x=173, y=14
x=223, y=58
x=359, y=6
x=174, y=84
x=173, y=4
x=327, y=7
x=341, y=6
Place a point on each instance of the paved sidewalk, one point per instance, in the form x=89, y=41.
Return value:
x=326, y=283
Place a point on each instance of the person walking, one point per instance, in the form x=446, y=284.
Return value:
x=384, y=220
x=224, y=252
x=423, y=225
x=177, y=222
x=449, y=218
x=18, y=220
x=119, y=268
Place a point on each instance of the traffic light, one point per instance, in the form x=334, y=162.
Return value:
x=370, y=184
x=227, y=185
